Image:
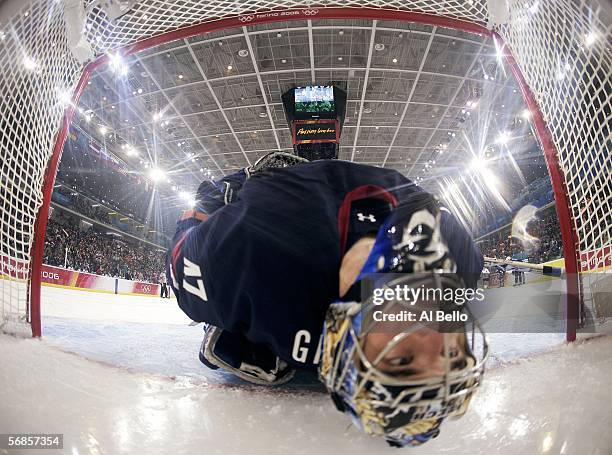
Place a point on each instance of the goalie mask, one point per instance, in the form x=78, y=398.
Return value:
x=398, y=402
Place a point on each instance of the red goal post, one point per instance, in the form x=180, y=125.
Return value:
x=558, y=54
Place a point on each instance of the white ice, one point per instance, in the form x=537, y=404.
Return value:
x=120, y=375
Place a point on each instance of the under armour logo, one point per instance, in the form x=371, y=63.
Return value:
x=362, y=217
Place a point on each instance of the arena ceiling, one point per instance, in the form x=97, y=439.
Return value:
x=423, y=100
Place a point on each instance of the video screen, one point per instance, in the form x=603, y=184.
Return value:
x=314, y=99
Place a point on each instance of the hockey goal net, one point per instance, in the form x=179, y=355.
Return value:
x=558, y=51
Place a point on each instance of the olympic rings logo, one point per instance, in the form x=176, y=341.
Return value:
x=281, y=15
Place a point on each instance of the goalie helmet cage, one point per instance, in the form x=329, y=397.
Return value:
x=558, y=52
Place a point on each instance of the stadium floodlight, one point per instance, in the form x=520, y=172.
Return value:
x=526, y=114
x=590, y=38
x=65, y=97
x=503, y=138
x=478, y=164
x=29, y=63
x=185, y=195
x=103, y=130
x=117, y=65
x=156, y=174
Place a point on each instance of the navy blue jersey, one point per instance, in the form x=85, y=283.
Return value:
x=267, y=265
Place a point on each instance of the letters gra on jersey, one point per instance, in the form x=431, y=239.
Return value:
x=193, y=271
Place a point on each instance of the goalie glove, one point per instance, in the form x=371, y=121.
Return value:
x=211, y=196
x=234, y=353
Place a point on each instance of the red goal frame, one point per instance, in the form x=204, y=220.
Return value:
x=566, y=221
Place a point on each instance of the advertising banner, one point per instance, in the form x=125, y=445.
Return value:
x=596, y=259
x=80, y=280
x=13, y=268
x=136, y=287
x=306, y=131
x=58, y=276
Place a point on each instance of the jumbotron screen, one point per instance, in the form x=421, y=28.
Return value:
x=314, y=99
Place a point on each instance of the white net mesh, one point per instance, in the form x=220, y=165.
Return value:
x=562, y=51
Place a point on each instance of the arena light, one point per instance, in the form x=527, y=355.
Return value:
x=157, y=116
x=156, y=174
x=479, y=165
x=65, y=97
x=590, y=38
x=103, y=130
x=184, y=195
x=29, y=63
x=499, y=52
x=117, y=65
x=503, y=138
x=526, y=114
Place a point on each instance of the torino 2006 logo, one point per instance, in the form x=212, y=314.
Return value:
x=305, y=12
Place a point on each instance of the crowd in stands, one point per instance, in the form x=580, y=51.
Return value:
x=100, y=210
x=547, y=247
x=85, y=207
x=95, y=252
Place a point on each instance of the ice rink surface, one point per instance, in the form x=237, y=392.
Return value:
x=120, y=375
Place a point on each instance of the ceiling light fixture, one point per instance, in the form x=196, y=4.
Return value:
x=590, y=38
x=29, y=63
x=503, y=138
x=156, y=174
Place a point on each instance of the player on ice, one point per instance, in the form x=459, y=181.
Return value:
x=272, y=260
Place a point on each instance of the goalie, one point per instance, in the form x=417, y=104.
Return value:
x=272, y=259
